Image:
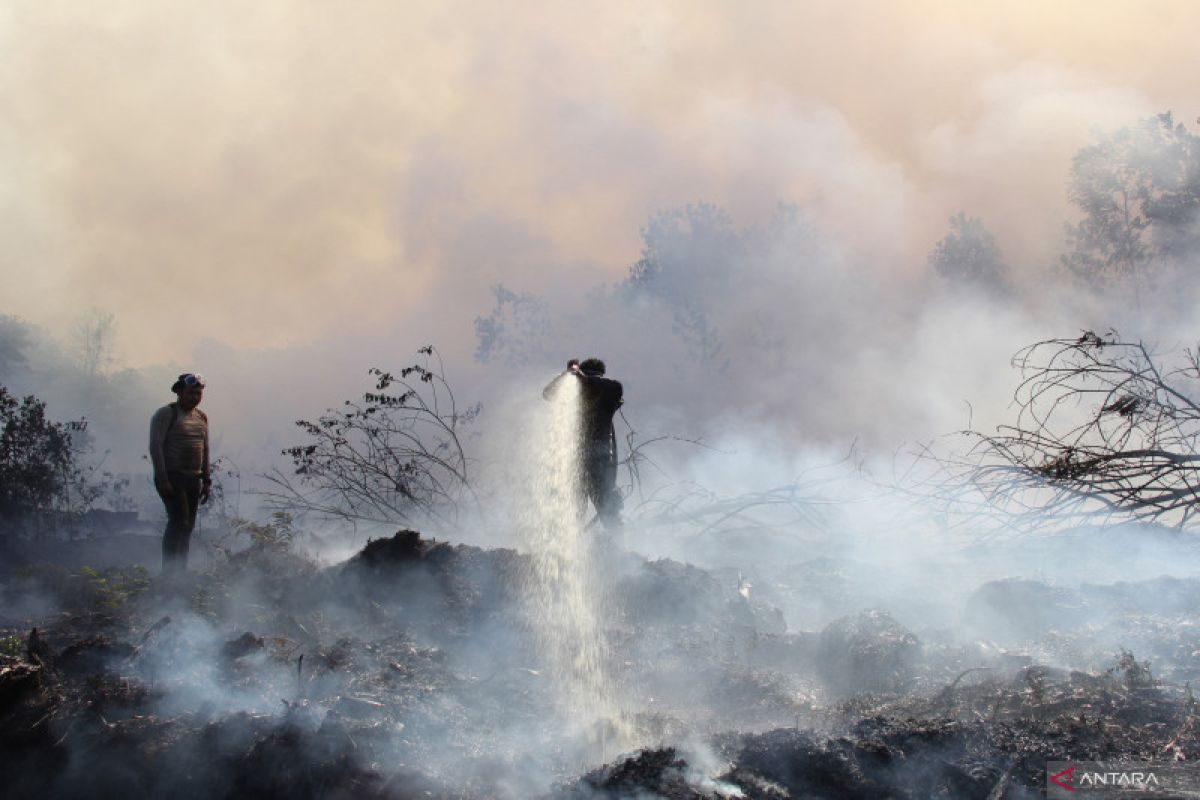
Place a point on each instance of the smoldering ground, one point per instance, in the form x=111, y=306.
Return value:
x=414, y=667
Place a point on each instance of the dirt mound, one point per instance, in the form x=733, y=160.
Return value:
x=403, y=546
x=651, y=773
x=866, y=652
x=1015, y=610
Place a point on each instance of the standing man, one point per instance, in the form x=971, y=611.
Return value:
x=179, y=453
x=600, y=397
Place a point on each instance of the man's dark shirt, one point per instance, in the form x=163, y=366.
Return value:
x=600, y=398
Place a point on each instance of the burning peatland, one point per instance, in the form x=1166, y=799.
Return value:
x=413, y=670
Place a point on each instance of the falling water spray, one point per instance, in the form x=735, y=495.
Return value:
x=566, y=584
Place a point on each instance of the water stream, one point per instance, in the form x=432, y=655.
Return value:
x=567, y=588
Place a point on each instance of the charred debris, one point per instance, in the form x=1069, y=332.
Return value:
x=410, y=671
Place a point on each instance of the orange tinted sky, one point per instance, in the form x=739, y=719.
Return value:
x=281, y=170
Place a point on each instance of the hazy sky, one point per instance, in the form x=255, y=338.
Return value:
x=273, y=173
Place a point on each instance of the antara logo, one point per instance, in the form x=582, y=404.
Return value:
x=1089, y=779
x=1129, y=780
x=1064, y=779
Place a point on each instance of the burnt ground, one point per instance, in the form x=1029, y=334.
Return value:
x=411, y=670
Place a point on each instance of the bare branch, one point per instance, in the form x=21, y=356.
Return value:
x=1105, y=429
x=393, y=457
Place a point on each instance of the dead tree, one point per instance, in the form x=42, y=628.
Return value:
x=395, y=457
x=1106, y=429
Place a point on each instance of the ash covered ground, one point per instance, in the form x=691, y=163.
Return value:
x=412, y=669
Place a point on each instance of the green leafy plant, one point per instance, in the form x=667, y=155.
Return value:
x=88, y=587
x=11, y=645
x=37, y=458
x=112, y=587
x=1134, y=674
x=277, y=534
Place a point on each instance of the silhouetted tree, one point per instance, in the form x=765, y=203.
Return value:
x=92, y=343
x=37, y=460
x=968, y=255
x=1139, y=192
x=689, y=258
x=516, y=331
x=14, y=341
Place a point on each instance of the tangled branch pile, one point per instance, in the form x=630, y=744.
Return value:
x=1105, y=428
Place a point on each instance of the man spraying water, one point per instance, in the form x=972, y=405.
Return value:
x=600, y=397
x=574, y=451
